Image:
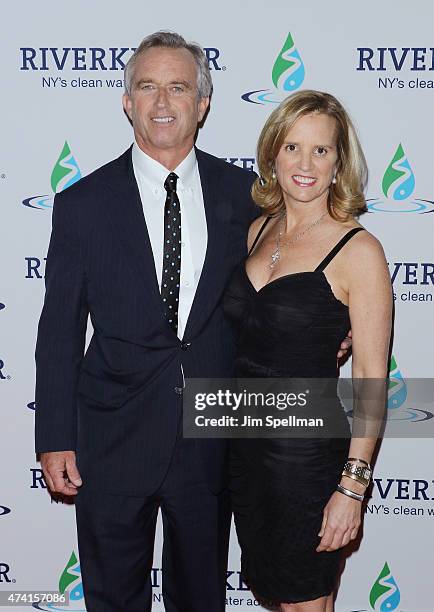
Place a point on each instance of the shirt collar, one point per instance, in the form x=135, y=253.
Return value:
x=155, y=173
x=186, y=169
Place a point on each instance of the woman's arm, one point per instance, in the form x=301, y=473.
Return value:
x=370, y=307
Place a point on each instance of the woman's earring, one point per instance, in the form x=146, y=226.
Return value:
x=273, y=175
x=334, y=180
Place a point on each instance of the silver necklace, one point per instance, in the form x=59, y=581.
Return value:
x=276, y=254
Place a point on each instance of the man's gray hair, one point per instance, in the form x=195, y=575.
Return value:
x=171, y=40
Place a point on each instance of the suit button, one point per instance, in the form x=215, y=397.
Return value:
x=185, y=345
x=178, y=390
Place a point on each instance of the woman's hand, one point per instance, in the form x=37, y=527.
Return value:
x=341, y=522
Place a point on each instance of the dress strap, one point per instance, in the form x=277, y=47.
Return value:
x=258, y=235
x=335, y=250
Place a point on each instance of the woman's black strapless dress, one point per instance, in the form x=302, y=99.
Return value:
x=291, y=327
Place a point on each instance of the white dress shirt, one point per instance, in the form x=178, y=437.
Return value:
x=150, y=176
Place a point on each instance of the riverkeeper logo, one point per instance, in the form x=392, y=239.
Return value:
x=397, y=391
x=64, y=174
x=413, y=281
x=247, y=163
x=4, y=573
x=58, y=66
x=397, y=395
x=391, y=62
x=398, y=185
x=287, y=75
x=69, y=583
x=90, y=58
x=409, y=499
x=406, y=399
x=385, y=595
x=3, y=375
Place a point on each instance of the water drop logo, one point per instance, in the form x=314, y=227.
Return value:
x=69, y=583
x=287, y=75
x=70, y=580
x=288, y=70
x=398, y=180
x=65, y=173
x=398, y=185
x=397, y=393
x=398, y=408
x=397, y=389
x=385, y=595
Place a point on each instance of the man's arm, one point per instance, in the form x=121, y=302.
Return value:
x=60, y=347
x=344, y=348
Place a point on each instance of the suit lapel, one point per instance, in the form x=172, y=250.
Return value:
x=125, y=211
x=213, y=275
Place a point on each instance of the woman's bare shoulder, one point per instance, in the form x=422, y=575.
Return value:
x=365, y=244
x=365, y=257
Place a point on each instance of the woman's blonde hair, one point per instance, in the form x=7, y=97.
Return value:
x=346, y=197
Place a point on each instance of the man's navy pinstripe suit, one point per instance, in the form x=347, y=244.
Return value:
x=119, y=406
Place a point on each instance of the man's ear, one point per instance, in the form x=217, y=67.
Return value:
x=126, y=103
x=202, y=107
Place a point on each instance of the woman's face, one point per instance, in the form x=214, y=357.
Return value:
x=306, y=162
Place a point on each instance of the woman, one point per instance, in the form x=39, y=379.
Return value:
x=311, y=274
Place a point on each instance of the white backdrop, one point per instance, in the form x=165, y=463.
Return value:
x=377, y=57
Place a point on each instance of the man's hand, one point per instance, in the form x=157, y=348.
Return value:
x=60, y=472
x=345, y=346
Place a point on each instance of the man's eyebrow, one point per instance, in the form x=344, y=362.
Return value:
x=141, y=81
x=186, y=84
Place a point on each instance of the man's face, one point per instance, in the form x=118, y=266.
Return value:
x=163, y=104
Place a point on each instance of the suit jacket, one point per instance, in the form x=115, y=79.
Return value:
x=119, y=405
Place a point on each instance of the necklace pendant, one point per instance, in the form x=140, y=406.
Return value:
x=274, y=258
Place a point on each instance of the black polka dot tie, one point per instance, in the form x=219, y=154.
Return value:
x=171, y=253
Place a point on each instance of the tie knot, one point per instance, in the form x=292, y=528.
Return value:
x=170, y=182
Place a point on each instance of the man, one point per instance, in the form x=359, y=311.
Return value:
x=144, y=244
x=110, y=423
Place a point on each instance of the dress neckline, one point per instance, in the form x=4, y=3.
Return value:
x=318, y=270
x=286, y=276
